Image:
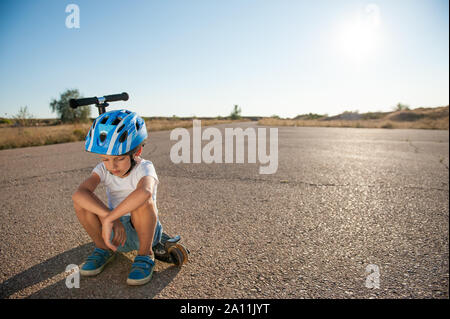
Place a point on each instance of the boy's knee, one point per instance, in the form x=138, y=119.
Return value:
x=76, y=206
x=145, y=207
x=76, y=197
x=79, y=209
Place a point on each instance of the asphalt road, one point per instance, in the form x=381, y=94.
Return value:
x=342, y=199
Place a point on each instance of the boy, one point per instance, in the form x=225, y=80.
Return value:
x=130, y=221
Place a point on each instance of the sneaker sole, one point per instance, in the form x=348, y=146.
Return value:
x=139, y=282
x=94, y=272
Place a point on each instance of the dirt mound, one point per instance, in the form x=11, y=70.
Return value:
x=408, y=116
x=418, y=114
x=346, y=116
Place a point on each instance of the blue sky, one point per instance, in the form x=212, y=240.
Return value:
x=200, y=57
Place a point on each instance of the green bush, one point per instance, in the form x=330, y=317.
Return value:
x=5, y=121
x=236, y=114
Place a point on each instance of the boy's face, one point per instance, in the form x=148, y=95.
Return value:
x=117, y=165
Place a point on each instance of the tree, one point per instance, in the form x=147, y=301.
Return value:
x=23, y=117
x=401, y=107
x=65, y=112
x=236, y=114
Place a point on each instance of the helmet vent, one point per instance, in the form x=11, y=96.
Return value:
x=103, y=137
x=137, y=126
x=116, y=121
x=123, y=137
x=120, y=128
x=104, y=120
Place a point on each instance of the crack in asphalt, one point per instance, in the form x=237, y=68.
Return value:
x=441, y=160
x=297, y=183
x=154, y=148
x=416, y=149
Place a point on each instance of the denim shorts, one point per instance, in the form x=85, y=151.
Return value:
x=132, y=242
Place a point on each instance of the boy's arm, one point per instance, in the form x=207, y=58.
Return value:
x=85, y=197
x=139, y=196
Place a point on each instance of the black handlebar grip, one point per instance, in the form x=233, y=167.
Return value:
x=116, y=97
x=74, y=103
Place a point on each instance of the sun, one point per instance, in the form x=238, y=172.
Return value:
x=359, y=37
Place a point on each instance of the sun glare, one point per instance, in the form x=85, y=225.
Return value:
x=359, y=37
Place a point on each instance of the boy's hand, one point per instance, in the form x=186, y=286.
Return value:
x=120, y=236
x=119, y=233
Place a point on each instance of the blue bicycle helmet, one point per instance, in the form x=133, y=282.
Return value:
x=116, y=133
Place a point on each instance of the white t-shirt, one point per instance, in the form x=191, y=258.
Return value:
x=117, y=188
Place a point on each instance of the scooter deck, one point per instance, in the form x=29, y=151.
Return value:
x=166, y=238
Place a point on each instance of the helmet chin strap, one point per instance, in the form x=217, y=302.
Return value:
x=133, y=163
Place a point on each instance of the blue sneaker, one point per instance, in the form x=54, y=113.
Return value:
x=96, y=262
x=141, y=270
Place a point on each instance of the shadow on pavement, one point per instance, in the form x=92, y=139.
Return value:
x=111, y=283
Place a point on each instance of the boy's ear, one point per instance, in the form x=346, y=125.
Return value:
x=139, y=151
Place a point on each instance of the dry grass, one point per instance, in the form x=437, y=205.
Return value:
x=422, y=118
x=169, y=124
x=14, y=137
x=441, y=124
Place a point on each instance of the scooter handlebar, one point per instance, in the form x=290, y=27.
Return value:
x=74, y=103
